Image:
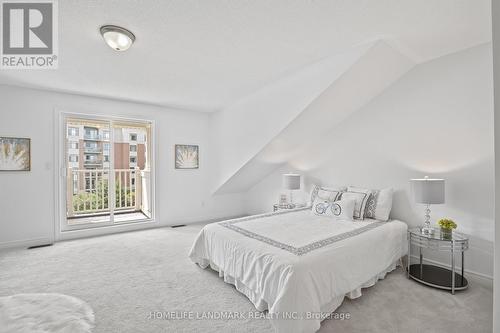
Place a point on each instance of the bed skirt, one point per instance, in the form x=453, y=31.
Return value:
x=261, y=304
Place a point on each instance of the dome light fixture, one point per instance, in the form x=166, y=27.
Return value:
x=117, y=38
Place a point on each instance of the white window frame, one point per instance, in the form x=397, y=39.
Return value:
x=61, y=230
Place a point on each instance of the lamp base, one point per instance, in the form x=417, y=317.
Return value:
x=426, y=230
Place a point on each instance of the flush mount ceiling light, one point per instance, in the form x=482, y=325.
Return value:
x=117, y=38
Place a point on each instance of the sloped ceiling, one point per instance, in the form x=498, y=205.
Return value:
x=374, y=71
x=240, y=131
x=207, y=55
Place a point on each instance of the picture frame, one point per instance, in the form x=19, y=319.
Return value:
x=187, y=156
x=15, y=154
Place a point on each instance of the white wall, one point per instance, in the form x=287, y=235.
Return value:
x=27, y=198
x=436, y=120
x=496, y=78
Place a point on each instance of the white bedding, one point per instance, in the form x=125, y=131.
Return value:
x=298, y=265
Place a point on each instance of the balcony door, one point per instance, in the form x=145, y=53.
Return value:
x=107, y=177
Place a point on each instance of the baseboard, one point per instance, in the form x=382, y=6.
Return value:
x=480, y=278
x=25, y=243
x=129, y=227
x=105, y=230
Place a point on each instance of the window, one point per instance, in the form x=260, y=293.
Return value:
x=91, y=144
x=90, y=184
x=107, y=189
x=91, y=133
x=73, y=131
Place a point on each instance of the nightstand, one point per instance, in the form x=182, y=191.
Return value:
x=432, y=275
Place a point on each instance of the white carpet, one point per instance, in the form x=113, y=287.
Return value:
x=125, y=277
x=45, y=313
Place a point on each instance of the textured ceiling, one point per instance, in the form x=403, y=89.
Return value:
x=205, y=55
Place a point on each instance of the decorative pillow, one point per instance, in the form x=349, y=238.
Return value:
x=324, y=193
x=379, y=204
x=359, y=195
x=340, y=210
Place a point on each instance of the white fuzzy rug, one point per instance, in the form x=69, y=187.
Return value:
x=40, y=313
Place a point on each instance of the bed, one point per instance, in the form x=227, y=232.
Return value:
x=299, y=266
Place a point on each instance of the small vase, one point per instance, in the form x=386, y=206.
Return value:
x=446, y=233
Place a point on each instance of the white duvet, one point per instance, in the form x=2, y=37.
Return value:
x=297, y=265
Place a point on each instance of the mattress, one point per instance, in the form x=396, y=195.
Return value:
x=299, y=266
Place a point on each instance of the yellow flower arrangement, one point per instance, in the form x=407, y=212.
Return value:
x=447, y=224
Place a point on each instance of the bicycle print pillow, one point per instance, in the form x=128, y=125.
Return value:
x=339, y=210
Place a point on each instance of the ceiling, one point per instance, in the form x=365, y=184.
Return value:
x=205, y=55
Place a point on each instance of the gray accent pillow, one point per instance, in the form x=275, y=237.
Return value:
x=360, y=196
x=379, y=204
x=324, y=193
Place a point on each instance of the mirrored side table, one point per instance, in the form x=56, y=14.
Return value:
x=432, y=275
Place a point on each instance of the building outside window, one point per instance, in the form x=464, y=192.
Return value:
x=133, y=160
x=73, y=131
x=73, y=158
x=90, y=183
x=91, y=133
x=73, y=145
x=133, y=137
x=133, y=148
x=75, y=184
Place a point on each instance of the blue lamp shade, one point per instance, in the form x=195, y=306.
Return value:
x=291, y=181
x=428, y=190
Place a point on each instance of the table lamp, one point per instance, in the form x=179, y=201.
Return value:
x=428, y=191
x=291, y=182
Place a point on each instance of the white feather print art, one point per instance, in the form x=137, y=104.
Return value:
x=186, y=157
x=14, y=154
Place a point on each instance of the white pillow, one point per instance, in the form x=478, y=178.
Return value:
x=361, y=196
x=339, y=210
x=379, y=204
x=325, y=193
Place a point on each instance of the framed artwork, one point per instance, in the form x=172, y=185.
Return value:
x=15, y=154
x=187, y=157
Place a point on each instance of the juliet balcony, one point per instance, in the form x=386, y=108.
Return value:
x=90, y=200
